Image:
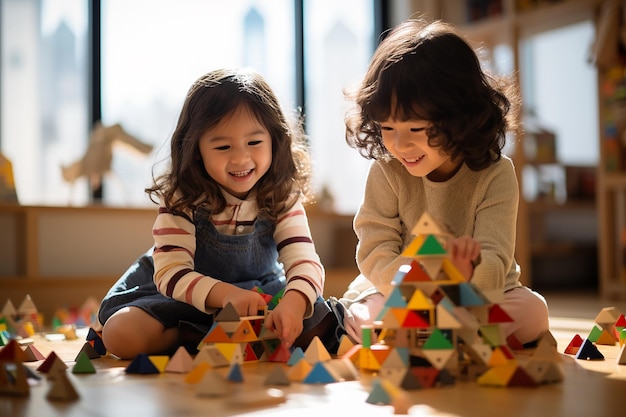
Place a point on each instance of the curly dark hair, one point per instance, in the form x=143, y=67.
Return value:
x=427, y=71
x=215, y=95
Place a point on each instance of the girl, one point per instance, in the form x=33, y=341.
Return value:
x=231, y=221
x=435, y=125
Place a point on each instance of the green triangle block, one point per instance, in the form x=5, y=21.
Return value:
x=319, y=375
x=56, y=322
x=437, y=340
x=594, y=334
x=491, y=334
x=431, y=246
x=83, y=365
x=5, y=336
x=469, y=297
x=275, y=300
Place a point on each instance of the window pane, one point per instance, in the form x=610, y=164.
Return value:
x=153, y=50
x=44, y=96
x=339, y=42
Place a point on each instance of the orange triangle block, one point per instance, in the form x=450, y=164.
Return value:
x=216, y=335
x=244, y=333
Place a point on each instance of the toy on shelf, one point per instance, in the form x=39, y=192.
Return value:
x=437, y=327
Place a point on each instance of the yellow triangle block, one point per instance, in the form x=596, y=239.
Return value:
x=452, y=272
x=299, y=370
x=419, y=301
x=159, y=361
x=498, y=375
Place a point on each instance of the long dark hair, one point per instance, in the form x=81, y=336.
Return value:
x=186, y=185
x=427, y=71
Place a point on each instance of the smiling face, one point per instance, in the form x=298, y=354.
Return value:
x=407, y=141
x=237, y=152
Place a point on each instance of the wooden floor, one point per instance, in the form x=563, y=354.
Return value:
x=589, y=388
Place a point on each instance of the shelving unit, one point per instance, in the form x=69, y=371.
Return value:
x=506, y=22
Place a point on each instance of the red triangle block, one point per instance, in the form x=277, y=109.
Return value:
x=416, y=273
x=12, y=352
x=521, y=378
x=498, y=315
x=414, y=320
x=514, y=343
x=47, y=364
x=280, y=354
x=621, y=321
x=426, y=375
x=574, y=345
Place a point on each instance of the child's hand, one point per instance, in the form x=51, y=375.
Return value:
x=464, y=252
x=286, y=319
x=246, y=302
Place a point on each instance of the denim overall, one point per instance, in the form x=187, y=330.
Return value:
x=247, y=261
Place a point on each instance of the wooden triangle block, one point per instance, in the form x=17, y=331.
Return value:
x=621, y=358
x=414, y=320
x=342, y=370
x=438, y=358
x=234, y=373
x=14, y=381
x=445, y=319
x=83, y=365
x=419, y=301
x=589, y=351
x=345, y=344
x=574, y=345
x=216, y=334
x=437, y=340
x=431, y=246
x=433, y=265
x=142, y=365
x=426, y=375
x=378, y=394
x=212, y=356
x=278, y=376
x=181, y=362
x=316, y=351
x=608, y=315
x=227, y=313
x=244, y=333
x=12, y=352
x=280, y=354
x=89, y=351
x=426, y=226
x=61, y=388
x=212, y=384
x=296, y=356
x=498, y=315
x=416, y=274
x=159, y=361
x=299, y=371
x=49, y=362
x=197, y=373
x=606, y=338
x=318, y=375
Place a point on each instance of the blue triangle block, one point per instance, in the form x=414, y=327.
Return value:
x=319, y=375
x=142, y=365
x=469, y=297
x=378, y=395
x=295, y=357
x=399, y=277
x=234, y=374
x=396, y=299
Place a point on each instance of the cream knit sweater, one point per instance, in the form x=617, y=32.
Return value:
x=480, y=204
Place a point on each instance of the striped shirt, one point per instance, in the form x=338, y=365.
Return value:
x=174, y=273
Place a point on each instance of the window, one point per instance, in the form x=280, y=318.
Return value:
x=151, y=52
x=44, y=118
